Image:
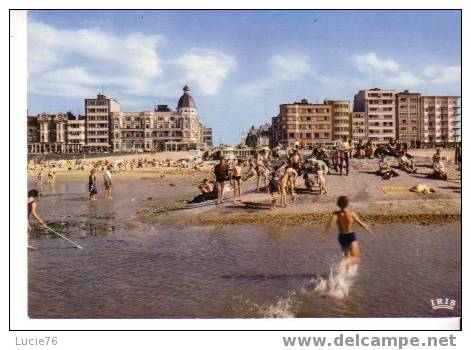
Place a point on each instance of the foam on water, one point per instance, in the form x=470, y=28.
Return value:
x=283, y=308
x=339, y=282
x=337, y=286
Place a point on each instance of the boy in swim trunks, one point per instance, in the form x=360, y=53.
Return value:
x=273, y=188
x=237, y=177
x=347, y=239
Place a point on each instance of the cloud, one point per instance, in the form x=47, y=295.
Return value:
x=287, y=67
x=132, y=53
x=370, y=61
x=206, y=68
x=443, y=74
x=77, y=63
x=128, y=61
x=404, y=79
x=290, y=67
x=391, y=72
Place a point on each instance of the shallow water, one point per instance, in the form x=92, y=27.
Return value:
x=132, y=269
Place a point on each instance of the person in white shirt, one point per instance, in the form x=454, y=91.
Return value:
x=108, y=183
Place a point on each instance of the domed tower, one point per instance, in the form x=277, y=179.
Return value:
x=186, y=108
x=186, y=101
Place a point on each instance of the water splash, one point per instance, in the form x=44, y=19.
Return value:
x=282, y=309
x=339, y=282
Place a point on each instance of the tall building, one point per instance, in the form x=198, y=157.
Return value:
x=340, y=118
x=440, y=122
x=408, y=116
x=358, y=126
x=306, y=121
x=163, y=129
x=379, y=107
x=98, y=122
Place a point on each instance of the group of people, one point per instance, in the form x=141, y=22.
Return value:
x=277, y=176
x=405, y=163
x=107, y=182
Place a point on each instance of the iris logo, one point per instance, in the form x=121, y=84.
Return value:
x=443, y=303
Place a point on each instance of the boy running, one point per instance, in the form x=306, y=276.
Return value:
x=347, y=239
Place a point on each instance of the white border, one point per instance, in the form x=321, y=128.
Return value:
x=19, y=319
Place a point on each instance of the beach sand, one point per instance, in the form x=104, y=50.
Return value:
x=375, y=199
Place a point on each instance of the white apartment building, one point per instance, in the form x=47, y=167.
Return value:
x=440, y=122
x=97, y=115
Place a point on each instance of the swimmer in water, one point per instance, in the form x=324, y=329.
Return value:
x=347, y=239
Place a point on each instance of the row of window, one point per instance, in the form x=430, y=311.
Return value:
x=381, y=131
x=97, y=110
x=381, y=124
x=97, y=103
x=153, y=134
x=307, y=110
x=308, y=135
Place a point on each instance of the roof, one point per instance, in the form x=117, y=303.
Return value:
x=186, y=100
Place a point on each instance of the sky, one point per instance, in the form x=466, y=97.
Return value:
x=240, y=65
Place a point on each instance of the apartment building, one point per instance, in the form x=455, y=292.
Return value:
x=379, y=107
x=340, y=118
x=440, y=119
x=311, y=122
x=408, y=117
x=358, y=126
x=98, y=122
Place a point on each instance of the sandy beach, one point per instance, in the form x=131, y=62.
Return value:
x=375, y=199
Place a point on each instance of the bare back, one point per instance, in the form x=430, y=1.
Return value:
x=237, y=170
x=345, y=220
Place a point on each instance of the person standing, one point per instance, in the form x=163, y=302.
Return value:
x=221, y=171
x=458, y=155
x=32, y=211
x=92, y=185
x=344, y=156
x=237, y=178
x=107, y=180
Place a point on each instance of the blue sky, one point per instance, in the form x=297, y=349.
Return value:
x=240, y=65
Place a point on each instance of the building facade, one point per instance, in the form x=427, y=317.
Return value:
x=55, y=133
x=160, y=130
x=258, y=137
x=408, y=117
x=340, y=118
x=440, y=122
x=208, y=137
x=98, y=122
x=358, y=126
x=302, y=121
x=379, y=107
